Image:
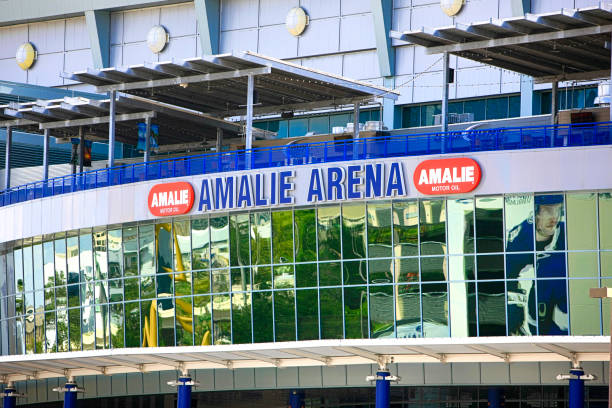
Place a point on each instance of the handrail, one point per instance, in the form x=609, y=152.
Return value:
x=459, y=141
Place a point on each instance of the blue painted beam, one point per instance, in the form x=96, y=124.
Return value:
x=98, y=27
x=28, y=91
x=208, y=17
x=382, y=13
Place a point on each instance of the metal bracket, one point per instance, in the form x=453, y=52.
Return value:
x=13, y=394
x=65, y=389
x=392, y=378
x=583, y=377
x=177, y=383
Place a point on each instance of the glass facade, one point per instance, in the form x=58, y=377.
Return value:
x=456, y=267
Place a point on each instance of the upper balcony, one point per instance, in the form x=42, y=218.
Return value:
x=303, y=152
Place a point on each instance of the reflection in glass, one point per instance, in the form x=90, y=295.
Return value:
x=102, y=333
x=381, y=271
x=284, y=278
x=356, y=312
x=549, y=223
x=330, y=305
x=330, y=274
x=519, y=222
x=552, y=307
x=50, y=332
x=489, y=224
x=74, y=322
x=132, y=324
x=379, y=230
x=182, y=246
x=184, y=321
x=521, y=308
x=462, y=299
x=585, y=312
x=117, y=326
x=381, y=311
x=305, y=235
x=241, y=318
x=148, y=323
x=40, y=340
x=62, y=330
x=219, y=242
x=433, y=268
x=49, y=275
x=605, y=220
x=220, y=280
x=262, y=317
x=222, y=325
x=435, y=310
x=581, y=221
x=307, y=314
x=240, y=279
x=353, y=231
x=306, y=275
x=284, y=315
x=282, y=236
x=462, y=268
x=130, y=251
x=491, y=308
x=460, y=226
x=432, y=217
x=60, y=262
x=39, y=280
x=328, y=228
x=405, y=228
x=165, y=322
x=200, y=241
x=262, y=278
x=86, y=258
x=164, y=281
x=115, y=262
x=115, y=290
x=146, y=244
x=490, y=267
x=72, y=253
x=408, y=311
x=100, y=255
x=355, y=272
x=261, y=234
x=28, y=269
x=88, y=327
x=239, y=240
x=550, y=265
x=202, y=318
x=201, y=282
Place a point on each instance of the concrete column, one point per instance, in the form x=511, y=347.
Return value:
x=147, y=139
x=554, y=102
x=81, y=149
x=526, y=95
x=7, y=158
x=111, y=131
x=356, y=120
x=445, y=67
x=249, y=119
x=495, y=398
x=46, y=155
x=219, y=145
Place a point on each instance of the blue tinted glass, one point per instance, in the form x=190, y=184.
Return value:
x=319, y=125
x=545, y=103
x=477, y=107
x=497, y=108
x=589, y=97
x=455, y=107
x=339, y=120
x=298, y=127
x=260, y=125
x=428, y=112
x=411, y=116
x=375, y=114
x=514, y=106
x=283, y=129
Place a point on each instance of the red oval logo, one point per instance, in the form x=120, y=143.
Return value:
x=447, y=176
x=171, y=199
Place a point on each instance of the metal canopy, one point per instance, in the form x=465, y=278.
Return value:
x=218, y=84
x=65, y=116
x=307, y=353
x=565, y=45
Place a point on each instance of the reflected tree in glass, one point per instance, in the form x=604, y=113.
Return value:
x=330, y=304
x=379, y=230
x=307, y=314
x=356, y=312
x=241, y=318
x=284, y=315
x=405, y=228
x=261, y=242
x=381, y=311
x=239, y=240
x=305, y=235
x=353, y=231
x=432, y=219
x=219, y=237
x=262, y=317
x=200, y=241
x=328, y=227
x=282, y=237
x=408, y=311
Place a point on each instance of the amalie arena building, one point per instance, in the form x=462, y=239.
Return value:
x=257, y=248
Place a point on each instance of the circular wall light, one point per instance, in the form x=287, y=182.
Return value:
x=25, y=56
x=296, y=21
x=451, y=7
x=157, y=38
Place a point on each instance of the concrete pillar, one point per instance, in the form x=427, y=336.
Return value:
x=7, y=158
x=445, y=67
x=526, y=95
x=219, y=145
x=46, y=155
x=111, y=131
x=554, y=102
x=249, y=119
x=147, y=139
x=356, y=120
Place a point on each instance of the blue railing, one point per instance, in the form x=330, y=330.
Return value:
x=510, y=138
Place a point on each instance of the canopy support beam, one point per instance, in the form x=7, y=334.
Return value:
x=7, y=158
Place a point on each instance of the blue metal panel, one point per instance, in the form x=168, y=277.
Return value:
x=98, y=26
x=382, y=13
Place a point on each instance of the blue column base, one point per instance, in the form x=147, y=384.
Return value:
x=576, y=389
x=184, y=392
x=8, y=400
x=70, y=395
x=295, y=399
x=495, y=398
x=383, y=389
